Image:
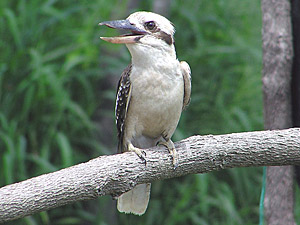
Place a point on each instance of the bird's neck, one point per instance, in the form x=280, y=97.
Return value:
x=148, y=57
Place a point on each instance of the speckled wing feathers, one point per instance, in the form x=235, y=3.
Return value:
x=122, y=104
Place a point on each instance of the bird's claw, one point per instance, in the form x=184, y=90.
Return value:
x=175, y=160
x=140, y=152
x=142, y=156
x=174, y=155
x=170, y=146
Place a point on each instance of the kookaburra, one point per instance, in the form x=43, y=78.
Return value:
x=152, y=92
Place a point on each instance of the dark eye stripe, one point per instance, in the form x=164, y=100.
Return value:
x=151, y=26
x=166, y=37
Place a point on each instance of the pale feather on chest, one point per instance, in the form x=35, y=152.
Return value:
x=157, y=90
x=157, y=101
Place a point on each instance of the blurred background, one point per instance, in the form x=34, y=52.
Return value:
x=57, y=95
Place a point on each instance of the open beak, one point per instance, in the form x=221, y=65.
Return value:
x=130, y=38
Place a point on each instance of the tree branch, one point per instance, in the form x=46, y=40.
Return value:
x=115, y=174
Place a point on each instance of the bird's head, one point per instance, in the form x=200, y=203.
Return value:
x=148, y=32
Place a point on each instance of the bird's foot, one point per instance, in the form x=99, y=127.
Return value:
x=140, y=152
x=171, y=147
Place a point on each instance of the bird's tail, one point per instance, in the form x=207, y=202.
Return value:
x=136, y=200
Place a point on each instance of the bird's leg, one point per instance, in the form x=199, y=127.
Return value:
x=140, y=152
x=171, y=147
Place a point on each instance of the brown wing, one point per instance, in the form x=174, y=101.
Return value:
x=186, y=73
x=122, y=103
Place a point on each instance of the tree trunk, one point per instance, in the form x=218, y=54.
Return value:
x=277, y=67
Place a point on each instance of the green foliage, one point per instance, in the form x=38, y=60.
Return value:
x=54, y=89
x=221, y=41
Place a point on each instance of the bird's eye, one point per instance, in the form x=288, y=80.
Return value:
x=150, y=25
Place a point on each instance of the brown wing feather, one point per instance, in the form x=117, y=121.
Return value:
x=122, y=103
x=186, y=73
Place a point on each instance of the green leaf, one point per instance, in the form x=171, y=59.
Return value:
x=65, y=150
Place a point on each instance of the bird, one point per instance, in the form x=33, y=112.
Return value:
x=152, y=92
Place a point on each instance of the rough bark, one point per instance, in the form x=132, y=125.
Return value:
x=115, y=174
x=277, y=66
x=277, y=63
x=279, y=200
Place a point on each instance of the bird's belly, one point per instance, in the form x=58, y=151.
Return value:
x=157, y=108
